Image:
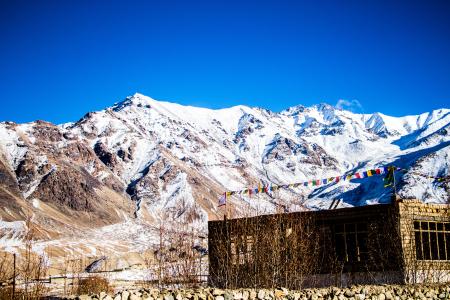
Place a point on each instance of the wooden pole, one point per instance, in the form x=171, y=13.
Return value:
x=227, y=251
x=395, y=187
x=225, y=213
x=160, y=256
x=14, y=277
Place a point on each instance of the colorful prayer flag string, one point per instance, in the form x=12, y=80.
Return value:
x=388, y=181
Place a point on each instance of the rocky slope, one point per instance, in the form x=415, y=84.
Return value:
x=141, y=162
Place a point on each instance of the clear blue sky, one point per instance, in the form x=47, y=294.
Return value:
x=61, y=59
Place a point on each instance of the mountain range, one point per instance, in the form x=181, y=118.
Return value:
x=112, y=178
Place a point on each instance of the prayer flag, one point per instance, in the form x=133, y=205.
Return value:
x=389, y=179
x=223, y=199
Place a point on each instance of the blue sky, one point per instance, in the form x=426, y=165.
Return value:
x=61, y=59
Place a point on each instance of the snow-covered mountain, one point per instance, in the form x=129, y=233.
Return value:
x=160, y=161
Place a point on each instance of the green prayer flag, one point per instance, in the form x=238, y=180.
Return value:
x=389, y=178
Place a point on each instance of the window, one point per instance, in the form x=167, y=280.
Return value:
x=351, y=242
x=432, y=240
x=241, y=249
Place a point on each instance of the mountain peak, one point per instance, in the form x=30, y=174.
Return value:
x=136, y=100
x=294, y=110
x=324, y=106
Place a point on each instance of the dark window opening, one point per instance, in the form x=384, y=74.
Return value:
x=340, y=247
x=432, y=240
x=419, y=252
x=351, y=242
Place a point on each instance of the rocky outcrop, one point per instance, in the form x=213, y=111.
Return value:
x=69, y=187
x=108, y=158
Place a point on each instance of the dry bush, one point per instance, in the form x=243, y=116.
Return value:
x=6, y=275
x=265, y=251
x=176, y=261
x=30, y=271
x=6, y=268
x=93, y=285
x=6, y=293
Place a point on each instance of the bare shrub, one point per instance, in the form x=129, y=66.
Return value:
x=93, y=285
x=32, y=269
x=6, y=293
x=6, y=268
x=179, y=258
x=26, y=278
x=265, y=251
x=6, y=276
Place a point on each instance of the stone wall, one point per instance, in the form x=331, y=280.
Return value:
x=385, y=292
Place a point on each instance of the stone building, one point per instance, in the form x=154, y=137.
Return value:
x=406, y=241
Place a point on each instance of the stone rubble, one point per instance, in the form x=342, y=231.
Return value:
x=372, y=292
